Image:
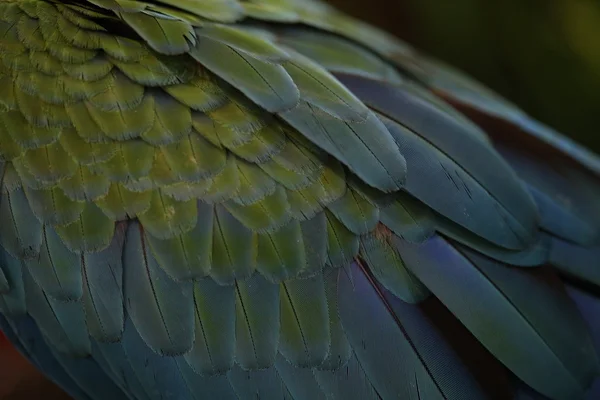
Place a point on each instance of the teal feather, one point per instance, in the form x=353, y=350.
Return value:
x=340, y=351
x=103, y=299
x=300, y=382
x=161, y=309
x=63, y=323
x=21, y=233
x=256, y=323
x=12, y=303
x=473, y=287
x=281, y=254
x=446, y=154
x=262, y=384
x=387, y=266
x=57, y=270
x=305, y=337
x=214, y=346
x=367, y=147
x=314, y=238
x=420, y=365
x=234, y=248
x=342, y=245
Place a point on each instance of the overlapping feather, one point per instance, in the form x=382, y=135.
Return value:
x=208, y=207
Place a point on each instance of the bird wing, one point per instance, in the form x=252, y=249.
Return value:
x=269, y=199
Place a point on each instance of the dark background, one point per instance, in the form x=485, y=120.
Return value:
x=543, y=55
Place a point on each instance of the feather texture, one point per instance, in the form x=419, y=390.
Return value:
x=234, y=199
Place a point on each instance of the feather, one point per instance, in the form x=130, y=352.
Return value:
x=564, y=195
x=473, y=175
x=320, y=89
x=56, y=270
x=342, y=245
x=263, y=82
x=340, y=352
x=408, y=218
x=575, y=261
x=257, y=323
x=85, y=185
x=156, y=373
x=12, y=303
x=92, y=232
x=348, y=382
x=167, y=217
x=355, y=212
x=473, y=287
x=164, y=34
x=238, y=39
x=193, y=158
x=305, y=338
x=419, y=365
x=314, y=238
x=160, y=308
x=264, y=384
x=20, y=232
x=25, y=335
x=172, y=120
x=121, y=203
x=366, y=147
x=388, y=268
x=188, y=255
x=281, y=254
x=234, y=248
x=214, y=346
x=62, y=323
x=52, y=206
x=300, y=382
x=103, y=299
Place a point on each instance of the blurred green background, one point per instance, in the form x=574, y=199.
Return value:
x=543, y=55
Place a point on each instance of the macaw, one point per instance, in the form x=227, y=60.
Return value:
x=267, y=199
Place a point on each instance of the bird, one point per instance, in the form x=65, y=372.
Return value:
x=269, y=199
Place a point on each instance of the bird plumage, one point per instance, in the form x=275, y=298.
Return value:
x=268, y=199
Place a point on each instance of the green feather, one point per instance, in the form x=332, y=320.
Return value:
x=240, y=40
x=52, y=206
x=255, y=185
x=84, y=152
x=214, y=347
x=200, y=93
x=305, y=337
x=92, y=232
x=257, y=322
x=85, y=185
x=226, y=184
x=167, y=217
x=408, y=218
x=164, y=34
x=355, y=212
x=187, y=255
x=320, y=89
x=234, y=248
x=265, y=215
x=26, y=135
x=263, y=82
x=387, y=266
x=193, y=158
x=172, y=120
x=281, y=254
x=121, y=203
x=342, y=245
